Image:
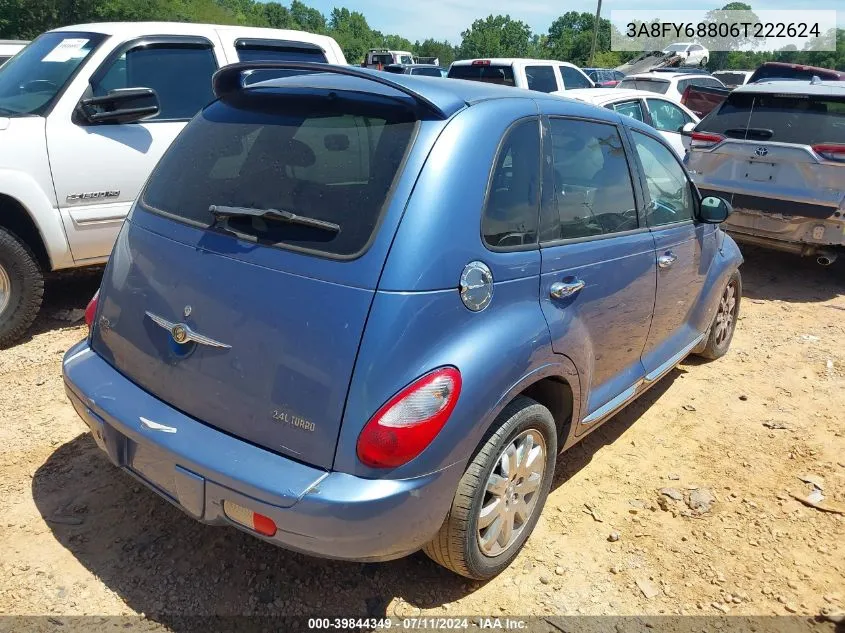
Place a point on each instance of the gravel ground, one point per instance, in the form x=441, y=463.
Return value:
x=682, y=504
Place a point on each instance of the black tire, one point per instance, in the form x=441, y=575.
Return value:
x=456, y=546
x=719, y=342
x=704, y=62
x=24, y=284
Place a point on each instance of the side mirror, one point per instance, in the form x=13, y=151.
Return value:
x=124, y=105
x=687, y=128
x=714, y=210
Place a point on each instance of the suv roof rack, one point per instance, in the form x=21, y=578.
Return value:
x=229, y=79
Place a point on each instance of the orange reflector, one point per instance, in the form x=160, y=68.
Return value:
x=246, y=517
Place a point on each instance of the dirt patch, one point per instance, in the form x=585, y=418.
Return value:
x=680, y=504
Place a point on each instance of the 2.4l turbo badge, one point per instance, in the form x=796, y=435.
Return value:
x=92, y=195
x=291, y=419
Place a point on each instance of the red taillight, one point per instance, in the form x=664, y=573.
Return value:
x=831, y=151
x=685, y=96
x=403, y=427
x=91, y=310
x=481, y=62
x=703, y=140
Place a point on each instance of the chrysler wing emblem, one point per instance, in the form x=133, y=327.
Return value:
x=182, y=332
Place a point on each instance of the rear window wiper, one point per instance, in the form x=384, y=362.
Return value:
x=221, y=212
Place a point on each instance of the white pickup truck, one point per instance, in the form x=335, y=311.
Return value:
x=85, y=114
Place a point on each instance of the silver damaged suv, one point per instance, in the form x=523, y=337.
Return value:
x=776, y=151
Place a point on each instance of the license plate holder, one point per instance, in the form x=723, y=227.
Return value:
x=759, y=171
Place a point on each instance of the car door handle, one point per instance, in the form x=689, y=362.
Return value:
x=562, y=289
x=666, y=261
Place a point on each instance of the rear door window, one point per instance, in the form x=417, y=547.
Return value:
x=711, y=82
x=594, y=194
x=333, y=162
x=512, y=210
x=541, y=78
x=491, y=74
x=660, y=86
x=573, y=79
x=251, y=50
x=632, y=109
x=782, y=118
x=666, y=116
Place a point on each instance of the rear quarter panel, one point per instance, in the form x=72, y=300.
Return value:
x=418, y=322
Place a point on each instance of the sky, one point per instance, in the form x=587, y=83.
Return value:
x=445, y=19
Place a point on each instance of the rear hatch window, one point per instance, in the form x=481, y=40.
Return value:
x=277, y=334
x=487, y=73
x=326, y=165
x=660, y=86
x=782, y=118
x=792, y=72
x=730, y=79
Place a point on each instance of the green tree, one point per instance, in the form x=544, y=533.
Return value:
x=308, y=18
x=718, y=59
x=352, y=33
x=443, y=51
x=496, y=36
x=278, y=16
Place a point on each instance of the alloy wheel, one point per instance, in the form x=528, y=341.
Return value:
x=511, y=493
x=726, y=316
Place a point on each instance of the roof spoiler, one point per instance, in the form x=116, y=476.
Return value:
x=229, y=79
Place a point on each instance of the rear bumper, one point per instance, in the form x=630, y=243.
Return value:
x=797, y=228
x=196, y=467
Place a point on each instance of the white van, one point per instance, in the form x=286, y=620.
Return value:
x=543, y=75
x=85, y=114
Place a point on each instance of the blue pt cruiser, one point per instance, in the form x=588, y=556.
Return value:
x=358, y=314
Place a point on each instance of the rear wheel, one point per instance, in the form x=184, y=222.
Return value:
x=501, y=495
x=724, y=323
x=21, y=288
x=704, y=61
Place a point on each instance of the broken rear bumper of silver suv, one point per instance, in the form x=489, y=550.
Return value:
x=793, y=234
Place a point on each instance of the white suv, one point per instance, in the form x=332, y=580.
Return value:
x=542, y=75
x=671, y=84
x=85, y=114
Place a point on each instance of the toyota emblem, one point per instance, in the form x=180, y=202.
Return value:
x=761, y=151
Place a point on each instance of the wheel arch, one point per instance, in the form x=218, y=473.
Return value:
x=557, y=386
x=15, y=218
